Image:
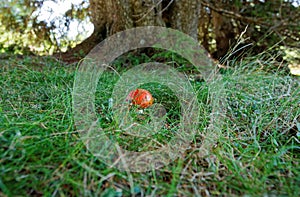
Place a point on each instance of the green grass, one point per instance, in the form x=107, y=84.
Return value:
x=257, y=152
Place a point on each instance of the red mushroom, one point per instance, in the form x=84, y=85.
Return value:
x=140, y=97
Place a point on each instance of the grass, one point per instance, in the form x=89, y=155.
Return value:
x=257, y=152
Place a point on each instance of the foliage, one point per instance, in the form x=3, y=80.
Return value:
x=22, y=31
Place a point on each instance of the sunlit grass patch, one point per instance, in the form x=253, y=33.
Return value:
x=257, y=152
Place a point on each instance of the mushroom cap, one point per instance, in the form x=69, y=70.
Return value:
x=140, y=97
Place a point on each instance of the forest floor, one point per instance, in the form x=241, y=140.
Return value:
x=256, y=120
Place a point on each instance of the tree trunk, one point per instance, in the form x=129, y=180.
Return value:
x=111, y=16
x=185, y=16
x=224, y=34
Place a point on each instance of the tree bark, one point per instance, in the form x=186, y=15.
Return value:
x=111, y=16
x=224, y=34
x=185, y=16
